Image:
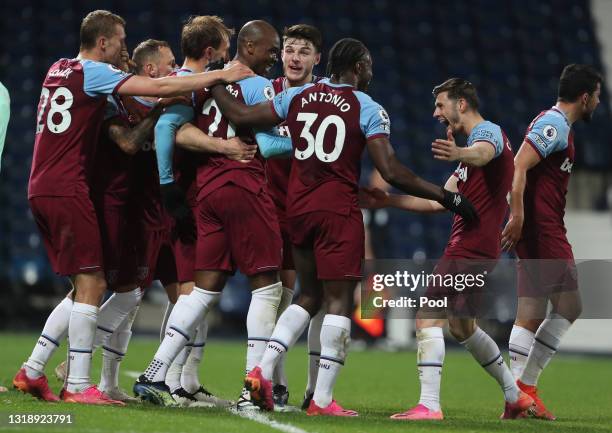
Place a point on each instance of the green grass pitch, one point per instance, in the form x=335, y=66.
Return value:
x=377, y=384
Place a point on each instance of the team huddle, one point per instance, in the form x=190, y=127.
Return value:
x=145, y=171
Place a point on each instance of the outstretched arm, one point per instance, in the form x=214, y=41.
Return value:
x=401, y=177
x=526, y=158
x=375, y=198
x=478, y=154
x=172, y=86
x=259, y=115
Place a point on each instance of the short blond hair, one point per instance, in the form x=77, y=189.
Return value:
x=98, y=23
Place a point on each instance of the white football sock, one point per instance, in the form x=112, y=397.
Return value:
x=520, y=343
x=188, y=311
x=81, y=331
x=314, y=349
x=173, y=376
x=114, y=351
x=335, y=336
x=290, y=326
x=164, y=325
x=190, y=380
x=546, y=342
x=430, y=358
x=485, y=351
x=280, y=377
x=53, y=333
x=112, y=313
x=260, y=321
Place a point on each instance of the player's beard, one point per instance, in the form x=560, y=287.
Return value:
x=587, y=116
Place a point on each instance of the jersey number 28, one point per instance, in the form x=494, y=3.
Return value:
x=57, y=110
x=315, y=142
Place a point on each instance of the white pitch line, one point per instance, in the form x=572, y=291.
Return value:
x=263, y=419
x=132, y=374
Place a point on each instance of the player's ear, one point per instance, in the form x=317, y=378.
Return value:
x=102, y=43
x=317, y=58
x=208, y=53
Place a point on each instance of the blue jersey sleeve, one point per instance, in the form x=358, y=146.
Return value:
x=256, y=89
x=101, y=78
x=272, y=144
x=489, y=132
x=169, y=122
x=282, y=101
x=373, y=118
x=548, y=134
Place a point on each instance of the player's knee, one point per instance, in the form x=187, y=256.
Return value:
x=529, y=324
x=461, y=329
x=312, y=304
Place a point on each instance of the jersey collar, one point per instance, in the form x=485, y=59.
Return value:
x=554, y=108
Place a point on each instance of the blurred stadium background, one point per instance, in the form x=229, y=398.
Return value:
x=512, y=50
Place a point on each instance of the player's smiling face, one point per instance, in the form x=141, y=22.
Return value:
x=165, y=62
x=446, y=111
x=265, y=54
x=299, y=58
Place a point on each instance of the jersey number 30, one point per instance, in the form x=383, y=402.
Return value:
x=58, y=111
x=315, y=142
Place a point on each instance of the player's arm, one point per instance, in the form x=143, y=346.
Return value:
x=478, y=154
x=260, y=115
x=130, y=140
x=374, y=198
x=192, y=138
x=272, y=144
x=173, y=86
x=404, y=179
x=526, y=158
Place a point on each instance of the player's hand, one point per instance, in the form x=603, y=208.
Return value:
x=512, y=232
x=372, y=198
x=175, y=100
x=236, y=71
x=446, y=150
x=237, y=150
x=459, y=204
x=174, y=200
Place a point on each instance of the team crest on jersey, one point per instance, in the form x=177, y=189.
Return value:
x=550, y=132
x=386, y=121
x=268, y=93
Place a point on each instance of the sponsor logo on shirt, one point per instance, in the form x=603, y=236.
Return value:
x=462, y=173
x=61, y=73
x=567, y=165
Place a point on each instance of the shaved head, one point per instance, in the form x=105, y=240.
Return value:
x=258, y=46
x=254, y=31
